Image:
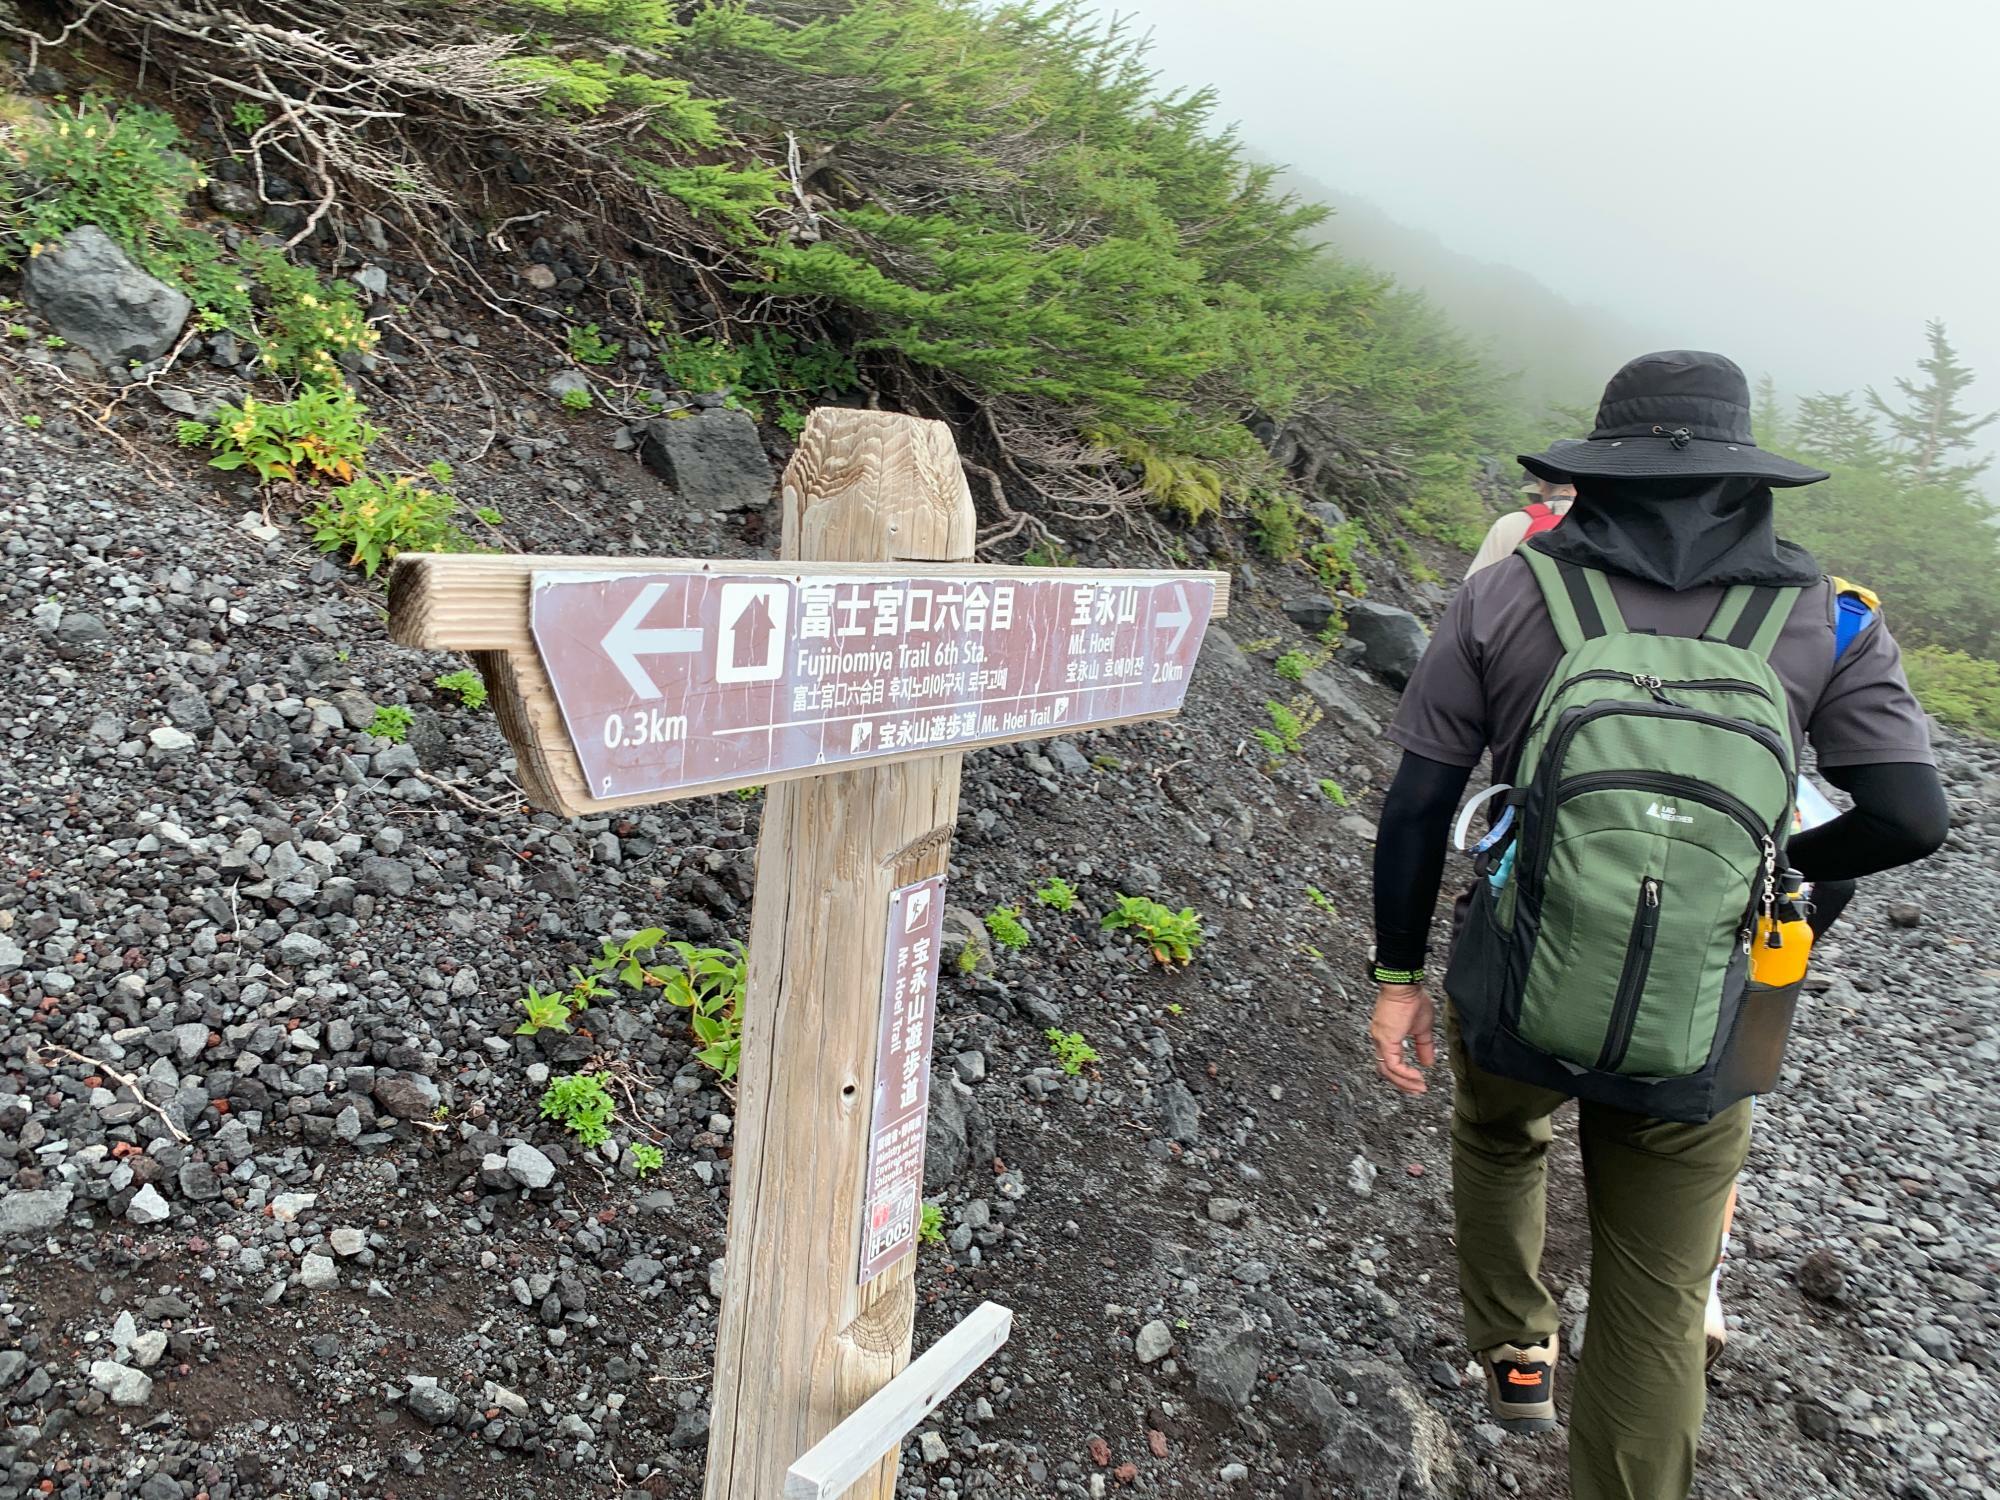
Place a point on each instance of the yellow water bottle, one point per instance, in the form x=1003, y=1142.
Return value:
x=1782, y=942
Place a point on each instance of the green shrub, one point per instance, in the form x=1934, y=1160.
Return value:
x=1070, y=1049
x=1288, y=730
x=1293, y=666
x=576, y=400
x=374, y=520
x=469, y=686
x=1333, y=791
x=392, y=723
x=1003, y=925
x=1962, y=691
x=1334, y=558
x=930, y=1225
x=121, y=168
x=1172, y=936
x=1276, y=519
x=582, y=1105
x=1057, y=893
x=707, y=983
x=322, y=433
x=304, y=323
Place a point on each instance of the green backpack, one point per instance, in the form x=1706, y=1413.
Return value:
x=1606, y=952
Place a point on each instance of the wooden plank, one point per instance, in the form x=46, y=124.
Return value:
x=881, y=1422
x=799, y=1346
x=452, y=601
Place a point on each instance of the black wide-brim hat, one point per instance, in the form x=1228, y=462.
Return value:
x=1681, y=414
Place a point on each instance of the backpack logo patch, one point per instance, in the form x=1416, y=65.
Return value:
x=1666, y=814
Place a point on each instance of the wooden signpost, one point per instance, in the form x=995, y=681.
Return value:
x=849, y=677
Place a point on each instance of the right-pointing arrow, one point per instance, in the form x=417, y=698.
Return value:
x=1180, y=619
x=628, y=640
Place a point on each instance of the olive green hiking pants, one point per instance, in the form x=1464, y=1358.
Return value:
x=1657, y=1191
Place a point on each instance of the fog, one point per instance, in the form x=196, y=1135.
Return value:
x=1797, y=183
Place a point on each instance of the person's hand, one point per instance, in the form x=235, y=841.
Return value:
x=1403, y=1012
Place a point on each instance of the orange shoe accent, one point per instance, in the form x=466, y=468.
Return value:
x=1523, y=1377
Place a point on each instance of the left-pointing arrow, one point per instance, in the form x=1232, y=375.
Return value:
x=629, y=640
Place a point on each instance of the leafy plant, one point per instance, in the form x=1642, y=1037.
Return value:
x=305, y=324
x=1003, y=925
x=247, y=117
x=1172, y=936
x=1276, y=520
x=582, y=1105
x=970, y=955
x=747, y=793
x=588, y=346
x=1335, y=558
x=645, y=1159
x=1070, y=1049
x=707, y=983
x=576, y=400
x=930, y=1224
x=1332, y=791
x=548, y=1010
x=1287, y=732
x=468, y=685
x=322, y=433
x=32, y=421
x=489, y=515
x=1321, y=900
x=1048, y=554
x=122, y=169
x=374, y=520
x=391, y=722
x=1293, y=666
x=1057, y=893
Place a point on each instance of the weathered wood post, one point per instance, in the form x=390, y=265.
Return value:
x=801, y=1344
x=848, y=679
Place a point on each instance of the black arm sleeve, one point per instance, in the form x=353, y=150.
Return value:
x=1409, y=856
x=1899, y=815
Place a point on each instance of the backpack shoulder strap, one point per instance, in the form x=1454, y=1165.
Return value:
x=1751, y=617
x=1578, y=599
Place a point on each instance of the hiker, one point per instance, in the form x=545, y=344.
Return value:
x=1856, y=606
x=1549, y=498
x=1602, y=953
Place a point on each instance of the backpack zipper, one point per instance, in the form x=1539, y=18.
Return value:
x=1666, y=781
x=1654, y=685
x=1632, y=979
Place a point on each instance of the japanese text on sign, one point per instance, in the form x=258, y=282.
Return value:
x=893, y=1205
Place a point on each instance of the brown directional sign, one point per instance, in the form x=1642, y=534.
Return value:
x=672, y=681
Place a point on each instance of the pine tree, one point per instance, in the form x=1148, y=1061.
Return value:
x=1930, y=425
x=1767, y=415
x=1831, y=428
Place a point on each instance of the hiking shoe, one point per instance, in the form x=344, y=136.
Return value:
x=1716, y=1329
x=1521, y=1385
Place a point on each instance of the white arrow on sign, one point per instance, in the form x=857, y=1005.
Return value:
x=628, y=640
x=1180, y=619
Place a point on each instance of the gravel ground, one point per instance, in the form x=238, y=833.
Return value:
x=278, y=1217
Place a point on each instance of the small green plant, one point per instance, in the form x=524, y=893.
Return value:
x=645, y=1159
x=391, y=722
x=703, y=366
x=323, y=433
x=20, y=332
x=747, y=793
x=1275, y=521
x=468, y=685
x=1335, y=558
x=374, y=520
x=1320, y=899
x=1003, y=925
x=1287, y=732
x=489, y=515
x=576, y=400
x=588, y=346
x=247, y=117
x=970, y=955
x=1962, y=690
x=1172, y=936
x=707, y=983
x=1332, y=791
x=1048, y=554
x=1070, y=1050
x=305, y=324
x=551, y=1010
x=1293, y=666
x=54, y=341
x=1174, y=1007
x=930, y=1225
x=1057, y=893
x=32, y=421
x=582, y=1105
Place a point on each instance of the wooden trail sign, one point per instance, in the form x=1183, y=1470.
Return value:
x=850, y=676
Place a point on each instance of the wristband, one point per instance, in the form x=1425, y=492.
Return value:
x=1382, y=975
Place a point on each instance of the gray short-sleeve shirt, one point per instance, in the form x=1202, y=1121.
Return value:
x=1478, y=684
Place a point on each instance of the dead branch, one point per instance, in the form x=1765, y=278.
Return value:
x=125, y=1081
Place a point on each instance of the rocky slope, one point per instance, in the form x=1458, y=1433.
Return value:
x=278, y=1216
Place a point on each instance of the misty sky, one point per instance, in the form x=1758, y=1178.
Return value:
x=1797, y=183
